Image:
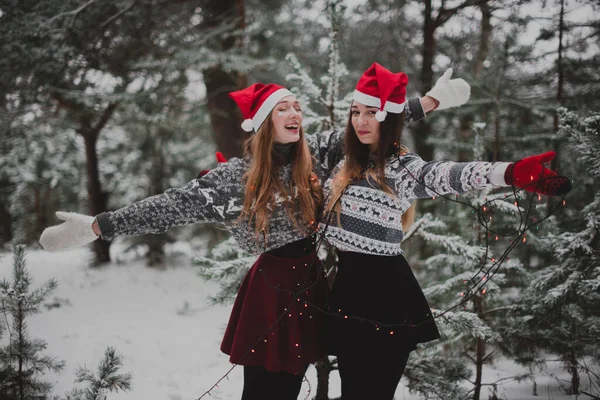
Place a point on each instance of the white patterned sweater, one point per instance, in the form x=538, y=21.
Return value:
x=370, y=219
x=219, y=195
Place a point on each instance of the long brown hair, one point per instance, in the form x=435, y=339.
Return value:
x=262, y=182
x=358, y=157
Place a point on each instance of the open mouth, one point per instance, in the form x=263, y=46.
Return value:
x=292, y=128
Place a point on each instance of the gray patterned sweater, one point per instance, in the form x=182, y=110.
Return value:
x=370, y=219
x=218, y=197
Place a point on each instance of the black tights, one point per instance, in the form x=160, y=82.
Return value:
x=370, y=376
x=260, y=384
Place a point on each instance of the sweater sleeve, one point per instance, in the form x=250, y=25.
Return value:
x=414, y=111
x=215, y=197
x=327, y=148
x=414, y=178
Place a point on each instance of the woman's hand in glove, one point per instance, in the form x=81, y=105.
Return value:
x=449, y=92
x=531, y=174
x=76, y=231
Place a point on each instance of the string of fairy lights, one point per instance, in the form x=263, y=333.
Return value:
x=475, y=285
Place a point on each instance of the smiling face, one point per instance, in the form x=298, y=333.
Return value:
x=287, y=120
x=365, y=125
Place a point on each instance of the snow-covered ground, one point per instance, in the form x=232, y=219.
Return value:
x=160, y=321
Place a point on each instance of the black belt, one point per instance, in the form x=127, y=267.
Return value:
x=296, y=249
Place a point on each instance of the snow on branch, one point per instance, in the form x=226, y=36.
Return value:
x=455, y=244
x=459, y=322
x=217, y=270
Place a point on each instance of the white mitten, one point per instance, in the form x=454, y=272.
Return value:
x=74, y=232
x=450, y=92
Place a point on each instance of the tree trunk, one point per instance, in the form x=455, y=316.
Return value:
x=559, y=64
x=423, y=129
x=5, y=185
x=496, y=155
x=20, y=326
x=573, y=369
x=97, y=199
x=484, y=39
x=559, y=91
x=224, y=115
x=497, y=111
x=466, y=123
x=479, y=352
x=5, y=220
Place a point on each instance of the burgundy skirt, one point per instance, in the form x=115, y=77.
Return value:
x=277, y=314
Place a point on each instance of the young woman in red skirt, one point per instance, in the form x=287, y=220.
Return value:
x=269, y=200
x=378, y=312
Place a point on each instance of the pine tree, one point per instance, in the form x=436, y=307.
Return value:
x=107, y=379
x=21, y=364
x=560, y=309
x=228, y=265
x=84, y=64
x=45, y=170
x=468, y=291
x=323, y=108
x=163, y=136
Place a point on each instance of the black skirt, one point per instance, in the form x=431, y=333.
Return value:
x=376, y=303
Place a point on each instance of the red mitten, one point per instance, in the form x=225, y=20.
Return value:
x=220, y=159
x=530, y=174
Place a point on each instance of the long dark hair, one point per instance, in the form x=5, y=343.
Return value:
x=359, y=156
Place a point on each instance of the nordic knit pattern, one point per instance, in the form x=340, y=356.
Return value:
x=218, y=197
x=370, y=219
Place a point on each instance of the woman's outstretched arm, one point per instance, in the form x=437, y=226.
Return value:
x=215, y=197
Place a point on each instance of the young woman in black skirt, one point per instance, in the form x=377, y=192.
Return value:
x=378, y=311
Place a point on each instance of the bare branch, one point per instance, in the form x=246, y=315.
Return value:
x=445, y=14
x=486, y=357
x=63, y=102
x=471, y=358
x=414, y=229
x=492, y=310
x=108, y=112
x=117, y=15
x=73, y=13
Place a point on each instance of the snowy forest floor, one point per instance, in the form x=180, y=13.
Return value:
x=169, y=335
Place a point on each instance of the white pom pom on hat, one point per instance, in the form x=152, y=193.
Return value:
x=380, y=115
x=247, y=125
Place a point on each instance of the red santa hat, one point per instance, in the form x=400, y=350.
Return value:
x=257, y=101
x=379, y=87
